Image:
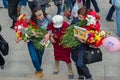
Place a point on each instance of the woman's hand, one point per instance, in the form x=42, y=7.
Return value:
x=52, y=40
x=46, y=37
x=81, y=40
x=34, y=34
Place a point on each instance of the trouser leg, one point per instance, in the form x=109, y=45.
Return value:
x=88, y=4
x=95, y=5
x=110, y=13
x=118, y=21
x=59, y=9
x=34, y=56
x=79, y=71
x=85, y=71
x=12, y=11
x=56, y=66
x=70, y=70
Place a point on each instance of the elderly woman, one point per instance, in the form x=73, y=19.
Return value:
x=56, y=30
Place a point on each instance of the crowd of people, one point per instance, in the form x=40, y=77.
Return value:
x=56, y=27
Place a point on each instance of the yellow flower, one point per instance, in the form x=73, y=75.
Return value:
x=97, y=37
x=17, y=35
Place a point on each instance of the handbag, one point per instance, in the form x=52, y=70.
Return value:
x=93, y=55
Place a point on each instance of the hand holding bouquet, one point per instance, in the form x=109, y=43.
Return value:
x=27, y=30
x=87, y=29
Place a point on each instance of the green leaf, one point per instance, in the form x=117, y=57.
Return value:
x=68, y=40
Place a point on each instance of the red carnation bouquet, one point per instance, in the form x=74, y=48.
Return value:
x=88, y=29
x=27, y=30
x=95, y=34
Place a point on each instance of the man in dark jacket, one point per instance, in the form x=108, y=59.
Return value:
x=12, y=11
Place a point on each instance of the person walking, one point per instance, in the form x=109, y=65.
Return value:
x=78, y=52
x=56, y=30
x=110, y=12
x=88, y=5
x=42, y=19
x=12, y=11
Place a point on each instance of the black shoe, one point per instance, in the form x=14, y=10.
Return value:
x=55, y=72
x=110, y=20
x=97, y=11
x=70, y=76
x=12, y=27
x=81, y=78
x=2, y=67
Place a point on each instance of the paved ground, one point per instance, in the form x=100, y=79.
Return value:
x=18, y=63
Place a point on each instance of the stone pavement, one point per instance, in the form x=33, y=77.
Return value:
x=18, y=63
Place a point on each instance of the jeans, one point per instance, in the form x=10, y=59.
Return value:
x=83, y=71
x=118, y=21
x=88, y=2
x=5, y=3
x=36, y=56
x=59, y=10
x=110, y=13
x=77, y=56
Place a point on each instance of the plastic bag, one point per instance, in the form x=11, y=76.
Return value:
x=74, y=10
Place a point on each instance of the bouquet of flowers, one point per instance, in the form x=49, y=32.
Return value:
x=27, y=30
x=91, y=25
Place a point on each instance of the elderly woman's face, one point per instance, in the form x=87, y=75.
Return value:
x=39, y=15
